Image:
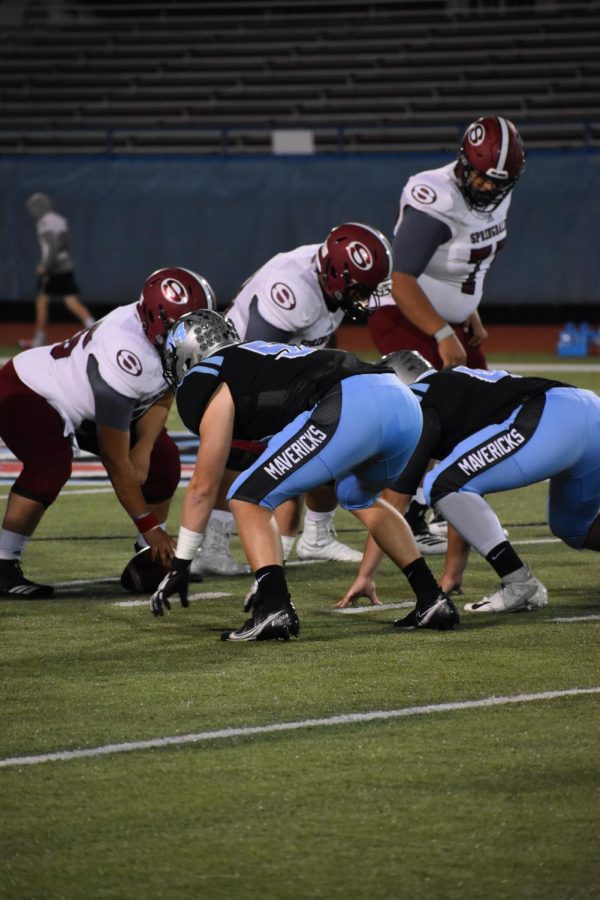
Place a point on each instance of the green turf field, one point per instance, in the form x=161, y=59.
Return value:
x=497, y=798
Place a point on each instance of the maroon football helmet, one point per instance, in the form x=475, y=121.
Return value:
x=491, y=147
x=167, y=295
x=354, y=260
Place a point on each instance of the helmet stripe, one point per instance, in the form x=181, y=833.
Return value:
x=504, y=144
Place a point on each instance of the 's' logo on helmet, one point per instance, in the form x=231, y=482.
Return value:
x=422, y=193
x=283, y=295
x=360, y=256
x=476, y=134
x=129, y=362
x=174, y=291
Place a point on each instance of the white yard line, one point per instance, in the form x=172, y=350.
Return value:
x=278, y=727
x=207, y=595
x=592, y=618
x=355, y=610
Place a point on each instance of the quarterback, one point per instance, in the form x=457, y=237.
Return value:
x=103, y=390
x=451, y=226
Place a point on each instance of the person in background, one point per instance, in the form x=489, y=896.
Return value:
x=102, y=391
x=452, y=224
x=299, y=297
x=55, y=276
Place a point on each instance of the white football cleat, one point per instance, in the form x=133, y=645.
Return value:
x=427, y=542
x=520, y=590
x=318, y=541
x=214, y=557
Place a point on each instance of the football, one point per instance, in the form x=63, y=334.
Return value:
x=142, y=574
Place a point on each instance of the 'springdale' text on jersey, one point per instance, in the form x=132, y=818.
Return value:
x=270, y=384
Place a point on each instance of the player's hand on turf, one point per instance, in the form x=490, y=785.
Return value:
x=175, y=582
x=362, y=586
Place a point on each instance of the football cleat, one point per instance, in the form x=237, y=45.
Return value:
x=277, y=625
x=318, y=541
x=518, y=591
x=214, y=557
x=14, y=585
x=438, y=526
x=427, y=542
x=441, y=615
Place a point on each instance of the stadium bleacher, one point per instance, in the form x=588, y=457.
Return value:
x=219, y=77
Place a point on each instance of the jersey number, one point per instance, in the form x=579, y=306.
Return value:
x=280, y=351
x=62, y=351
x=476, y=258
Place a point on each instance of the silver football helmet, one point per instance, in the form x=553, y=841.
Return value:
x=192, y=338
x=407, y=364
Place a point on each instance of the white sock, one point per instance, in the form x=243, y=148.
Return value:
x=420, y=497
x=311, y=516
x=287, y=542
x=12, y=545
x=221, y=515
x=38, y=338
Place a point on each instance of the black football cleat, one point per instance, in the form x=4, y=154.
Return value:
x=14, y=585
x=276, y=625
x=441, y=615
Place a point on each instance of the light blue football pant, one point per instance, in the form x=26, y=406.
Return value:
x=368, y=435
x=564, y=448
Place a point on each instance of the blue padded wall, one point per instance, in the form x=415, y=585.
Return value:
x=224, y=216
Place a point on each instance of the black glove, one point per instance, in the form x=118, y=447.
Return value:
x=176, y=582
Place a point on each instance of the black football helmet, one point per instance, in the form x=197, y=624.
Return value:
x=492, y=148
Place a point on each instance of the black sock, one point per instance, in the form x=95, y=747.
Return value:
x=421, y=580
x=272, y=586
x=503, y=559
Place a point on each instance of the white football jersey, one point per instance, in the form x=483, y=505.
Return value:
x=453, y=279
x=53, y=236
x=127, y=362
x=288, y=297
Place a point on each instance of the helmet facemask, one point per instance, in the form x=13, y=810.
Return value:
x=491, y=149
x=195, y=337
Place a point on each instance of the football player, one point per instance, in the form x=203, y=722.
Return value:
x=451, y=226
x=103, y=390
x=495, y=431
x=301, y=297
x=327, y=416
x=55, y=273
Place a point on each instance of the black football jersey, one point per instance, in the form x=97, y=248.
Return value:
x=270, y=384
x=459, y=402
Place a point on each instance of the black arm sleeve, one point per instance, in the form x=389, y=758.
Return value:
x=413, y=472
x=259, y=330
x=416, y=240
x=112, y=409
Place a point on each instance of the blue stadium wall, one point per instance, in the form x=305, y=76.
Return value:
x=225, y=216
